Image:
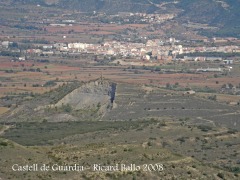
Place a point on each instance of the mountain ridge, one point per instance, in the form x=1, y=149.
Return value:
x=223, y=13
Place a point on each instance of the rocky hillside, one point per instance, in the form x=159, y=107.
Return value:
x=71, y=102
x=96, y=93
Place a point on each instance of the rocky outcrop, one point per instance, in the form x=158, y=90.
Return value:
x=91, y=100
x=93, y=94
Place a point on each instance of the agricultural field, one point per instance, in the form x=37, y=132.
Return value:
x=31, y=75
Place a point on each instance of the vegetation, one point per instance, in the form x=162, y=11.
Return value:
x=210, y=54
x=30, y=134
x=50, y=83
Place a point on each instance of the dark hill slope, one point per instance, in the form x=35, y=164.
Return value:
x=205, y=11
x=221, y=13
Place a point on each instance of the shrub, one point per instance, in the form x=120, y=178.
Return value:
x=168, y=86
x=214, y=97
x=221, y=175
x=67, y=108
x=2, y=143
x=204, y=128
x=50, y=83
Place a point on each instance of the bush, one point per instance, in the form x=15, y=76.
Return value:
x=232, y=131
x=149, y=143
x=36, y=85
x=67, y=108
x=2, y=143
x=168, y=86
x=221, y=175
x=9, y=71
x=50, y=83
x=204, y=128
x=181, y=139
x=214, y=97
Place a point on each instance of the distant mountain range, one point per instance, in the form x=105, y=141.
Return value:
x=224, y=14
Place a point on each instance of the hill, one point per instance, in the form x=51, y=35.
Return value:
x=223, y=14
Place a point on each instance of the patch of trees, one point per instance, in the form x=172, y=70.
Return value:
x=36, y=85
x=29, y=1
x=229, y=86
x=18, y=26
x=36, y=41
x=205, y=89
x=50, y=83
x=204, y=128
x=172, y=86
x=214, y=97
x=32, y=70
x=223, y=32
x=9, y=71
x=67, y=108
x=3, y=143
x=60, y=92
x=156, y=68
x=13, y=45
x=43, y=60
x=209, y=54
x=9, y=53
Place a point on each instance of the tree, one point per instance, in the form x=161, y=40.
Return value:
x=230, y=85
x=214, y=97
x=67, y=108
x=149, y=53
x=99, y=105
x=13, y=45
x=224, y=86
x=168, y=86
x=157, y=68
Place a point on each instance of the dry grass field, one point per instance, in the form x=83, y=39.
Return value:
x=3, y=110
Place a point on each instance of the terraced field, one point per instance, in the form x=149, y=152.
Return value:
x=133, y=102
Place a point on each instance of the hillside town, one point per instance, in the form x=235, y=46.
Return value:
x=156, y=50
